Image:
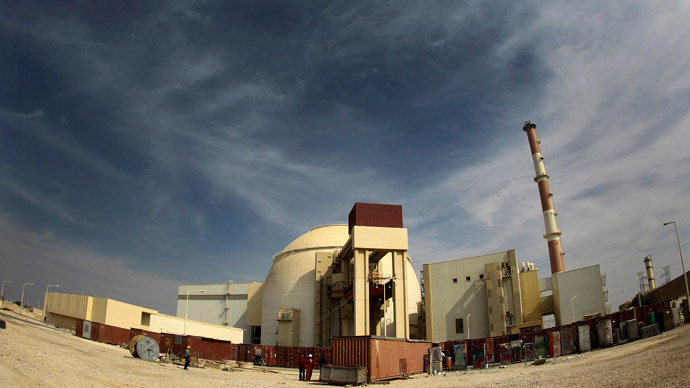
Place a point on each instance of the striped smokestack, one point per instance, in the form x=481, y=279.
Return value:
x=650, y=271
x=553, y=235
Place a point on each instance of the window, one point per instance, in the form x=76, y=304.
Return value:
x=488, y=293
x=491, y=311
x=481, y=276
x=458, y=326
x=145, y=319
x=467, y=278
x=256, y=334
x=455, y=280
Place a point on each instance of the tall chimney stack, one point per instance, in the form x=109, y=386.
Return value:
x=650, y=271
x=553, y=235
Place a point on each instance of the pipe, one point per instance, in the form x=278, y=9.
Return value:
x=553, y=235
x=650, y=271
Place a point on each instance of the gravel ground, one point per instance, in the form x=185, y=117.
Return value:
x=34, y=355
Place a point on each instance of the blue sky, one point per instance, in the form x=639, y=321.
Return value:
x=146, y=144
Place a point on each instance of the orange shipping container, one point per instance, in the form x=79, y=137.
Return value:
x=384, y=358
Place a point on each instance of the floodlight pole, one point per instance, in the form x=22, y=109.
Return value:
x=186, y=305
x=572, y=309
x=468, y=325
x=21, y=302
x=682, y=262
x=45, y=300
x=2, y=291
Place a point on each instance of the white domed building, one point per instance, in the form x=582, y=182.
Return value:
x=297, y=291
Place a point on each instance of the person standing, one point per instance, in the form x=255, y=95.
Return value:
x=186, y=357
x=310, y=366
x=302, y=364
x=322, y=361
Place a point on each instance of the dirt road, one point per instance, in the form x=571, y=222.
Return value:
x=34, y=355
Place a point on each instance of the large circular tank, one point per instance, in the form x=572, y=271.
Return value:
x=290, y=282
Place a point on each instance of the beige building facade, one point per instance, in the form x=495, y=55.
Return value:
x=482, y=296
x=65, y=309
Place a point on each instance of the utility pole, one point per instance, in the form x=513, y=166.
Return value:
x=640, y=279
x=682, y=262
x=667, y=274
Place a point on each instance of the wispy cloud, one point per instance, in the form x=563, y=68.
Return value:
x=614, y=134
x=51, y=205
x=43, y=259
x=203, y=112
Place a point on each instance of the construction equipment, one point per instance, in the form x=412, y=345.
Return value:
x=144, y=347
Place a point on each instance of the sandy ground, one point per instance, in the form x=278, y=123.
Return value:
x=34, y=355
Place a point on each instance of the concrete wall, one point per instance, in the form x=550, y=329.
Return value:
x=168, y=324
x=372, y=237
x=123, y=315
x=61, y=320
x=255, y=293
x=221, y=304
x=587, y=285
x=75, y=306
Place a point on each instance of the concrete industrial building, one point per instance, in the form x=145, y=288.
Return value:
x=330, y=281
x=481, y=296
x=320, y=285
x=578, y=294
x=369, y=287
x=490, y=295
x=65, y=310
x=226, y=304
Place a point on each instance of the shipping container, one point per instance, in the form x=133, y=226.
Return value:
x=79, y=329
x=541, y=346
x=234, y=352
x=245, y=353
x=567, y=340
x=490, y=350
x=649, y=331
x=616, y=334
x=505, y=353
x=374, y=214
x=604, y=333
x=516, y=350
x=529, y=351
x=385, y=358
x=527, y=336
x=459, y=359
x=173, y=344
x=583, y=332
x=109, y=334
x=478, y=360
x=156, y=336
x=631, y=330
x=554, y=343
x=208, y=348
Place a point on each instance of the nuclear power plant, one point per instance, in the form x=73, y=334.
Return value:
x=357, y=279
x=341, y=283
